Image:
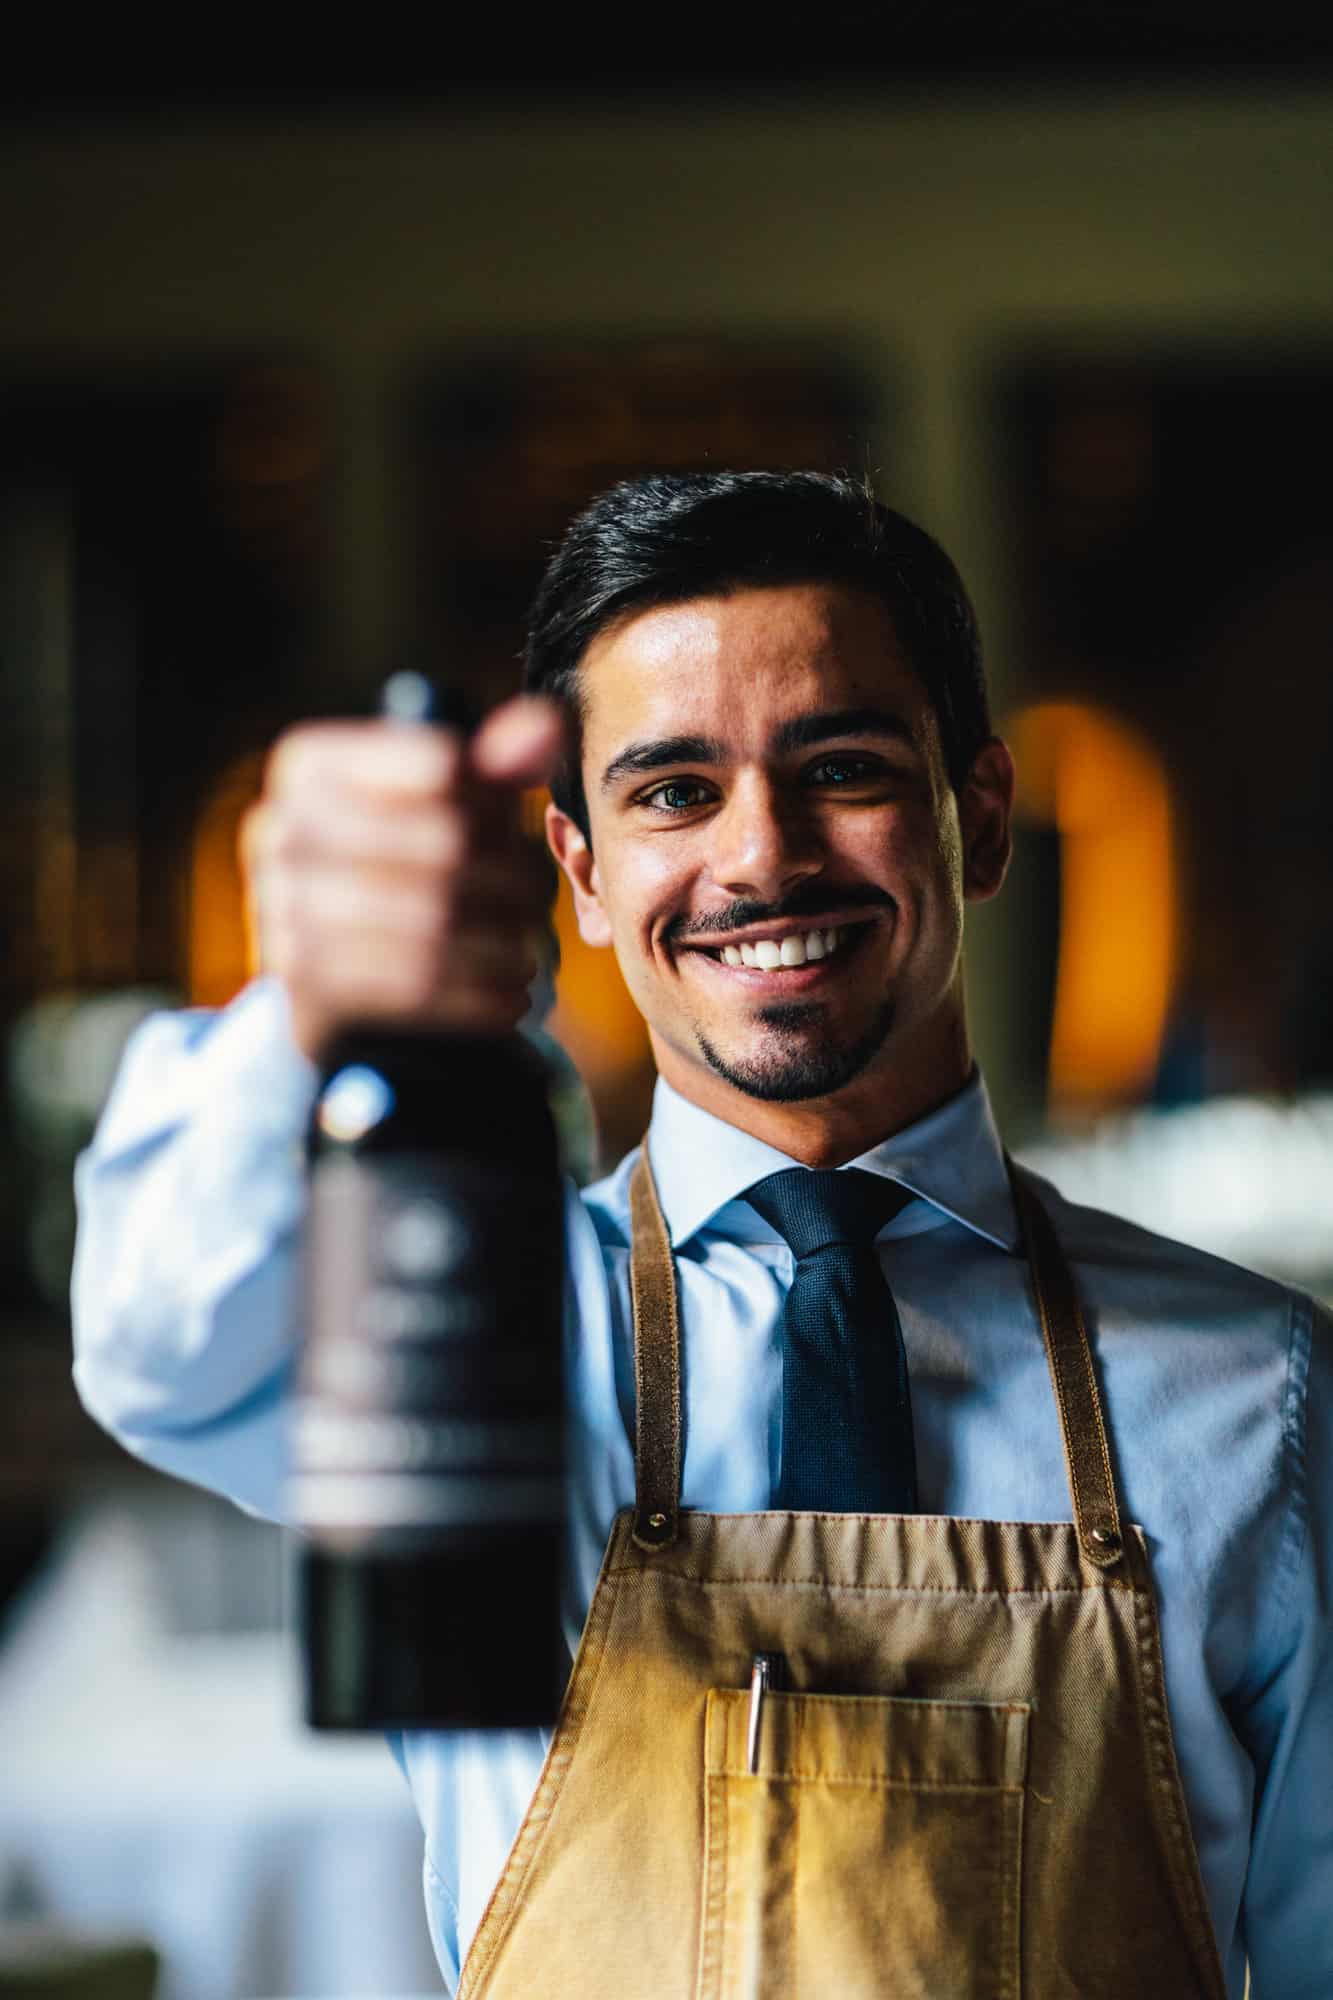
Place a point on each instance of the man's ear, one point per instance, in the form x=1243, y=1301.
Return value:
x=985, y=812
x=569, y=845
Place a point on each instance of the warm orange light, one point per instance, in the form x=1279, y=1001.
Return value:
x=223, y=950
x=1104, y=787
x=594, y=1019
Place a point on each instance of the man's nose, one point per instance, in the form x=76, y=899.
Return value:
x=764, y=842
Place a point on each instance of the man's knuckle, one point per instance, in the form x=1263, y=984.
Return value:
x=288, y=763
x=280, y=845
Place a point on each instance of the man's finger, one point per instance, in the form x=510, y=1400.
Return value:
x=520, y=742
x=394, y=759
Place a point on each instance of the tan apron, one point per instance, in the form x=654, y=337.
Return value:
x=962, y=1785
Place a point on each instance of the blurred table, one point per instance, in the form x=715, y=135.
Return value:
x=1248, y=1178
x=163, y=1786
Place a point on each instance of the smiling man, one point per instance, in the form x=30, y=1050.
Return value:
x=925, y=1652
x=772, y=845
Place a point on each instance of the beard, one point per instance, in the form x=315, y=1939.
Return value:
x=797, y=1063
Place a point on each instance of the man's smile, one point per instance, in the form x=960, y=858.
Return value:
x=774, y=951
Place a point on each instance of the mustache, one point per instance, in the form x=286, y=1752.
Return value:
x=812, y=900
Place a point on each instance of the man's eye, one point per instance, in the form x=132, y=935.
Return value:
x=843, y=770
x=676, y=795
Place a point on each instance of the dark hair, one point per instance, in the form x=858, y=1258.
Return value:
x=674, y=536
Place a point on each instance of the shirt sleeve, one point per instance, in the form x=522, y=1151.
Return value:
x=1288, y=1724
x=189, y=1201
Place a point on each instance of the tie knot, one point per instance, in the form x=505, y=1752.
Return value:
x=813, y=1209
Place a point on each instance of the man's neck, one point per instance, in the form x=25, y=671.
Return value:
x=892, y=1093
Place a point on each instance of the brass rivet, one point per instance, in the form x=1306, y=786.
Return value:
x=1103, y=1537
x=657, y=1520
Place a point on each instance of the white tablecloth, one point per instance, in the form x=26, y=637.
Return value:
x=165, y=1785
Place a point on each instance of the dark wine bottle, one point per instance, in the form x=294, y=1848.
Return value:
x=427, y=1447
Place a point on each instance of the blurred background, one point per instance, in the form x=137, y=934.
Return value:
x=300, y=382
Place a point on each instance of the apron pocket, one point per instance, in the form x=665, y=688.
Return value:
x=875, y=1850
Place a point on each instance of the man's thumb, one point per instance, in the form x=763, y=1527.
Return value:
x=520, y=742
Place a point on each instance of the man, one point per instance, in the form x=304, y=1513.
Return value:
x=871, y=1698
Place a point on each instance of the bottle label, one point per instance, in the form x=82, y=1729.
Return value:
x=430, y=1385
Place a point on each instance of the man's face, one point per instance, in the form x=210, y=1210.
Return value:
x=776, y=854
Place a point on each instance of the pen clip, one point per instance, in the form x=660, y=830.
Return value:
x=765, y=1675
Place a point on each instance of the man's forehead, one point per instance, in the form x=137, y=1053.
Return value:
x=786, y=649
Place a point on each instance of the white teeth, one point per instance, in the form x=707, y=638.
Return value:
x=769, y=953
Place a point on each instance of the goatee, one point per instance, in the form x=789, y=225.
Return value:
x=808, y=1065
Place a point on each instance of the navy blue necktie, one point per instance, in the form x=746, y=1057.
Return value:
x=847, y=1443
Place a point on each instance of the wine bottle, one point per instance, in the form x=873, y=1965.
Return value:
x=427, y=1447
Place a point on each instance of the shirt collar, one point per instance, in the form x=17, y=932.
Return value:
x=952, y=1159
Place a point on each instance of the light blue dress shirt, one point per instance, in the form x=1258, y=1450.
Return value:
x=1218, y=1388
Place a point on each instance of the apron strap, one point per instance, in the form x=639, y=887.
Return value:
x=657, y=1423
x=657, y=1443
x=1069, y=1357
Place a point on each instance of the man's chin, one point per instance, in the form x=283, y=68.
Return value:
x=798, y=1059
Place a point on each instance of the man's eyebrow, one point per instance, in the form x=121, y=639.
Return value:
x=804, y=730
x=657, y=755
x=660, y=753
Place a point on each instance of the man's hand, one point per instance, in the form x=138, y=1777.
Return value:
x=389, y=877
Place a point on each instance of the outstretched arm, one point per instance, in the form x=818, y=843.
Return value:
x=190, y=1200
